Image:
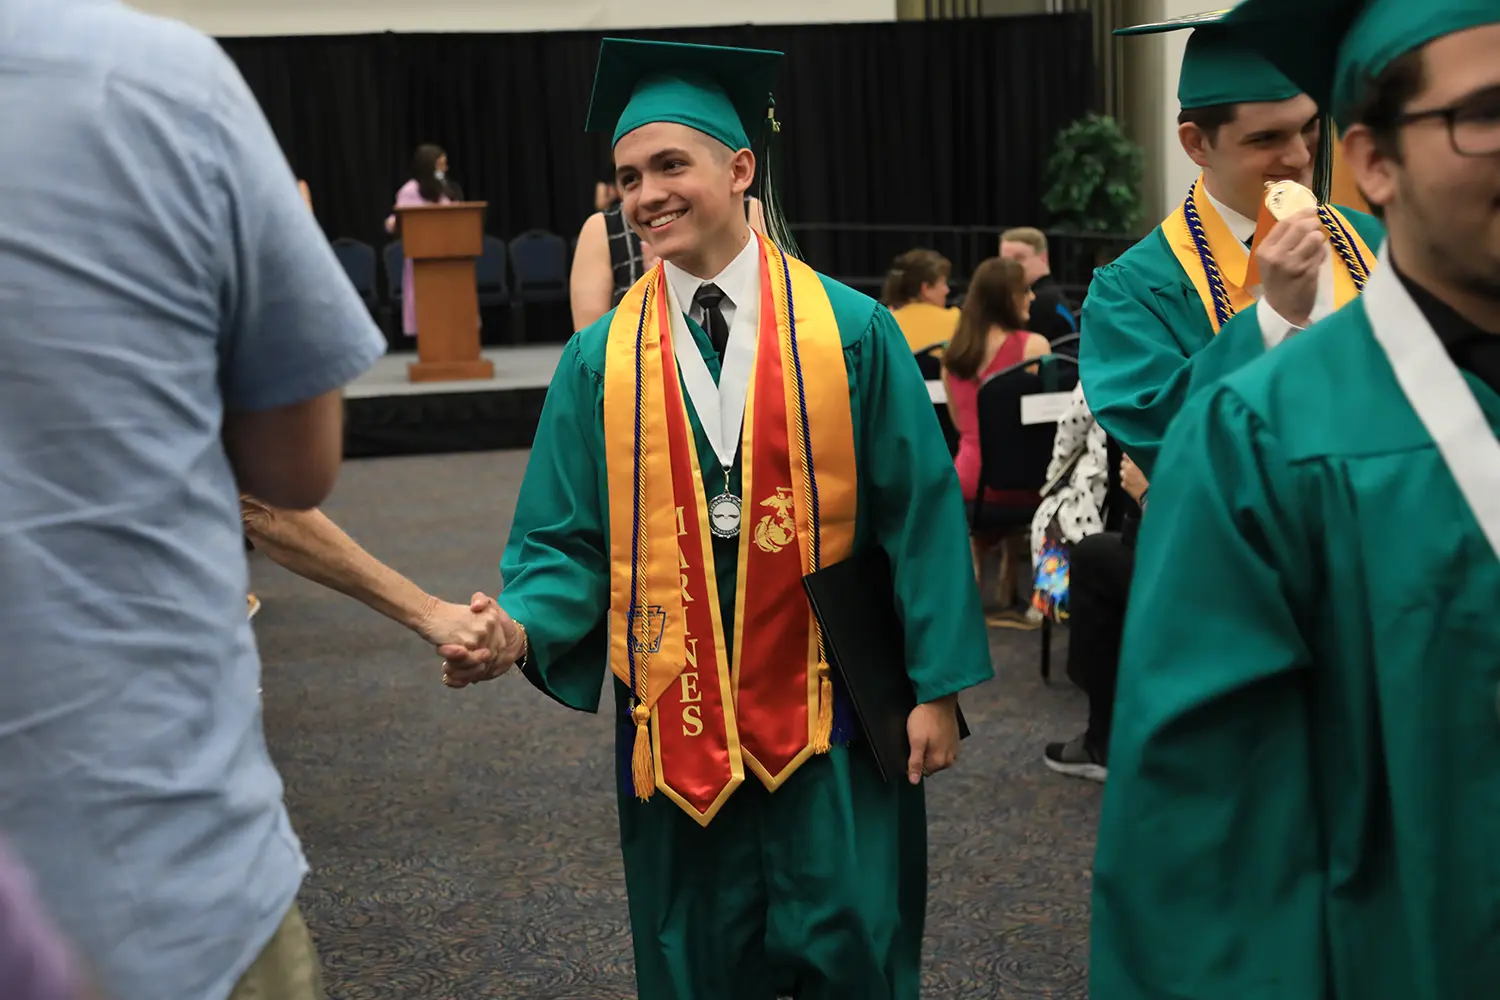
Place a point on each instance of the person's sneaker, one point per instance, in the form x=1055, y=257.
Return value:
x=1075, y=759
x=1018, y=617
x=253, y=604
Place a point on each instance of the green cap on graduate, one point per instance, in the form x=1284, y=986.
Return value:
x=1217, y=68
x=1301, y=37
x=722, y=92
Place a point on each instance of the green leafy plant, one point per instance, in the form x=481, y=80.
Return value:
x=1096, y=178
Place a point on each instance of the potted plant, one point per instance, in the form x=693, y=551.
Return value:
x=1096, y=178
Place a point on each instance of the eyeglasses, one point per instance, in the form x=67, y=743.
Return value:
x=1473, y=123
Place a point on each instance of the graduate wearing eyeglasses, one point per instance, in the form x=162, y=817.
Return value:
x=1304, y=782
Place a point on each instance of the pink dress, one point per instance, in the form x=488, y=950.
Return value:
x=409, y=195
x=963, y=400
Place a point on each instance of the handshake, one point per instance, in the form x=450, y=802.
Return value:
x=477, y=643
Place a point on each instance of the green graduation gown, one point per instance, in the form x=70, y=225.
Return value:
x=1147, y=343
x=820, y=889
x=1304, y=788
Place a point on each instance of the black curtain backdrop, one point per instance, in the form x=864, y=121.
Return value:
x=940, y=122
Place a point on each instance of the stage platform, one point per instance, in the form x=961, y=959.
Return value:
x=384, y=414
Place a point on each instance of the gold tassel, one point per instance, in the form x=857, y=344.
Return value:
x=823, y=732
x=640, y=762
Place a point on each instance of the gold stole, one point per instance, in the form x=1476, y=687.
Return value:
x=1217, y=263
x=699, y=723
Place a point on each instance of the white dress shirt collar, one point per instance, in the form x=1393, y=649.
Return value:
x=737, y=281
x=1242, y=228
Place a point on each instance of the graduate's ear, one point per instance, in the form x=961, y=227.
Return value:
x=1372, y=165
x=1195, y=142
x=742, y=170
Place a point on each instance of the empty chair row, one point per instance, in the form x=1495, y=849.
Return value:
x=532, y=267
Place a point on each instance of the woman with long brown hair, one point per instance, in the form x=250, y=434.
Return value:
x=916, y=293
x=991, y=337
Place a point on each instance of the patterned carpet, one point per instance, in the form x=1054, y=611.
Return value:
x=464, y=844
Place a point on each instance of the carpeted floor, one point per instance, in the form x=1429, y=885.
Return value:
x=464, y=845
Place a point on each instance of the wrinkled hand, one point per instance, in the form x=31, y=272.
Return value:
x=445, y=624
x=1132, y=479
x=469, y=660
x=1290, y=257
x=932, y=730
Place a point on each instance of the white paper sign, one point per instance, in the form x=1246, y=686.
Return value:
x=1044, y=407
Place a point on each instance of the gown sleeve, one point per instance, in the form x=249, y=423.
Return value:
x=1208, y=873
x=556, y=564
x=917, y=516
x=1137, y=372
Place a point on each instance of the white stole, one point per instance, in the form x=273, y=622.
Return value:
x=1438, y=393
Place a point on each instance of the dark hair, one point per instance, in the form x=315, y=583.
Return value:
x=1386, y=97
x=424, y=172
x=1210, y=119
x=909, y=272
x=992, y=300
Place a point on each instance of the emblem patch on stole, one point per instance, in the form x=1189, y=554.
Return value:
x=776, y=530
x=650, y=623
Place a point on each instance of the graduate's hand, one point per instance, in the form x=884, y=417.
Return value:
x=1290, y=258
x=932, y=730
x=489, y=654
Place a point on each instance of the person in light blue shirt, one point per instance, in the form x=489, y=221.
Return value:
x=174, y=329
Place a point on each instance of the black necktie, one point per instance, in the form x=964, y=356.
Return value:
x=708, y=299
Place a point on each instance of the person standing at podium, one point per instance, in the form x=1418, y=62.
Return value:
x=739, y=802
x=429, y=185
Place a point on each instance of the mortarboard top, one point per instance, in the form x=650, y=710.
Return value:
x=722, y=92
x=1302, y=37
x=1217, y=68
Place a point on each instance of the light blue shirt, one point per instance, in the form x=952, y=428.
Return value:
x=157, y=269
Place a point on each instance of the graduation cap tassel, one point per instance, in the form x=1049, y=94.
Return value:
x=1323, y=161
x=777, y=228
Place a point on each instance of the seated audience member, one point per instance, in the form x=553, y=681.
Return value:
x=610, y=256
x=916, y=293
x=991, y=337
x=1100, y=566
x=1051, y=313
x=1073, y=501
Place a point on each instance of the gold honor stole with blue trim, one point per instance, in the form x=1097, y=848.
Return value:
x=1217, y=263
x=699, y=723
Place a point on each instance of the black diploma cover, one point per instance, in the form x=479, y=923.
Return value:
x=855, y=603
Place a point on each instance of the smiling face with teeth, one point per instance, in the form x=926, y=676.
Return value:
x=683, y=191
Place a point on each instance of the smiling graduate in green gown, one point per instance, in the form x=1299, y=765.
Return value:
x=736, y=422
x=1185, y=306
x=1304, y=785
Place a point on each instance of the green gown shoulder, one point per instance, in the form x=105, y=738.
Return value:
x=1305, y=560
x=1147, y=345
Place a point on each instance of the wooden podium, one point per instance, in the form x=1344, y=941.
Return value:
x=443, y=242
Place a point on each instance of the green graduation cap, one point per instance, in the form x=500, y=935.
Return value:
x=1217, y=68
x=722, y=92
x=1302, y=36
